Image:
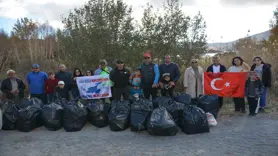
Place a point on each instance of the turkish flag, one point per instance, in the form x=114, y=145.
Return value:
x=227, y=84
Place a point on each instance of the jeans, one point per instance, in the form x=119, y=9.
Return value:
x=50, y=97
x=263, y=99
x=150, y=92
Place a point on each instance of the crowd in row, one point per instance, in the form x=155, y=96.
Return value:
x=145, y=81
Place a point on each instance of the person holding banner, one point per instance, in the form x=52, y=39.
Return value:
x=104, y=69
x=239, y=66
x=74, y=89
x=120, y=78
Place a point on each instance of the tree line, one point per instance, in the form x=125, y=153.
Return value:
x=105, y=29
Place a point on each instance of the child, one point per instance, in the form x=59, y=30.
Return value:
x=61, y=91
x=135, y=81
x=50, y=85
x=254, y=90
x=167, y=89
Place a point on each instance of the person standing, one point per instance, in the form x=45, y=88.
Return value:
x=13, y=87
x=169, y=68
x=104, y=69
x=89, y=73
x=63, y=75
x=150, y=77
x=193, y=79
x=50, y=84
x=36, y=80
x=263, y=71
x=120, y=78
x=215, y=68
x=238, y=66
x=74, y=88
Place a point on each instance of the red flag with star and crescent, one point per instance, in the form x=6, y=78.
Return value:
x=225, y=84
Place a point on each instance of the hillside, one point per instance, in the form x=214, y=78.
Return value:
x=229, y=45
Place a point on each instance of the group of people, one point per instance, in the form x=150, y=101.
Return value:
x=145, y=81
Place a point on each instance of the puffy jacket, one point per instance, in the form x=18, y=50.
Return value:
x=150, y=74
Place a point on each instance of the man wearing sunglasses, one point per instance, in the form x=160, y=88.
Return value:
x=150, y=77
x=36, y=80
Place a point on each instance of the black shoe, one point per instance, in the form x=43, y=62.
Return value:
x=261, y=110
x=252, y=114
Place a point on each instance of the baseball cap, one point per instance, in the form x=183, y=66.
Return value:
x=35, y=66
x=147, y=54
x=119, y=62
x=61, y=83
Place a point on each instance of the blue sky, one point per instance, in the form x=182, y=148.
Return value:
x=230, y=19
x=7, y=23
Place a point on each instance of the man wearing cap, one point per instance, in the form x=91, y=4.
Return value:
x=36, y=80
x=63, y=75
x=150, y=77
x=13, y=87
x=120, y=78
x=104, y=69
x=171, y=68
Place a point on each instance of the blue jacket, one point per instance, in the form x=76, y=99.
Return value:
x=36, y=82
x=172, y=69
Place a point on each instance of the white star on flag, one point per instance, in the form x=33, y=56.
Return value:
x=227, y=84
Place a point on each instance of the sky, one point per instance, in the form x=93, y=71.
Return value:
x=227, y=20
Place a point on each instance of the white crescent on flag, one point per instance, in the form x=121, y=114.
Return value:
x=212, y=84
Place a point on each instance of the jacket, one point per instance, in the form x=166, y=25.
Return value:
x=222, y=68
x=6, y=87
x=36, y=82
x=259, y=88
x=64, y=76
x=150, y=74
x=120, y=78
x=50, y=85
x=190, y=82
x=266, y=76
x=100, y=71
x=171, y=68
x=61, y=93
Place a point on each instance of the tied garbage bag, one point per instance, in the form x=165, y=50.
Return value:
x=161, y=123
x=75, y=116
x=9, y=115
x=52, y=116
x=209, y=103
x=36, y=102
x=194, y=120
x=176, y=111
x=29, y=118
x=140, y=112
x=183, y=98
x=98, y=113
x=162, y=101
x=119, y=115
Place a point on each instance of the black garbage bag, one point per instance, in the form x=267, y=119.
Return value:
x=10, y=115
x=29, y=118
x=52, y=116
x=209, y=103
x=36, y=102
x=194, y=120
x=183, y=98
x=119, y=115
x=161, y=123
x=176, y=111
x=141, y=110
x=75, y=116
x=162, y=101
x=98, y=113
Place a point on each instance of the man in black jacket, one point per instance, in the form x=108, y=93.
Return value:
x=120, y=77
x=13, y=88
x=216, y=67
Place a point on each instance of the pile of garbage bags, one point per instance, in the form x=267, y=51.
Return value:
x=163, y=116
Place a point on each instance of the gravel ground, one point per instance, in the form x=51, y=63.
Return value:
x=238, y=136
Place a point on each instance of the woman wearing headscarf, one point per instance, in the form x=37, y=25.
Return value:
x=193, y=79
x=263, y=71
x=74, y=88
x=238, y=65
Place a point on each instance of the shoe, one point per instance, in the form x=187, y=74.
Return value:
x=252, y=114
x=261, y=110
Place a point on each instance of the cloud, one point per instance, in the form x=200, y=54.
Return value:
x=241, y=3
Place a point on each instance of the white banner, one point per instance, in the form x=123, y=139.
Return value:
x=94, y=87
